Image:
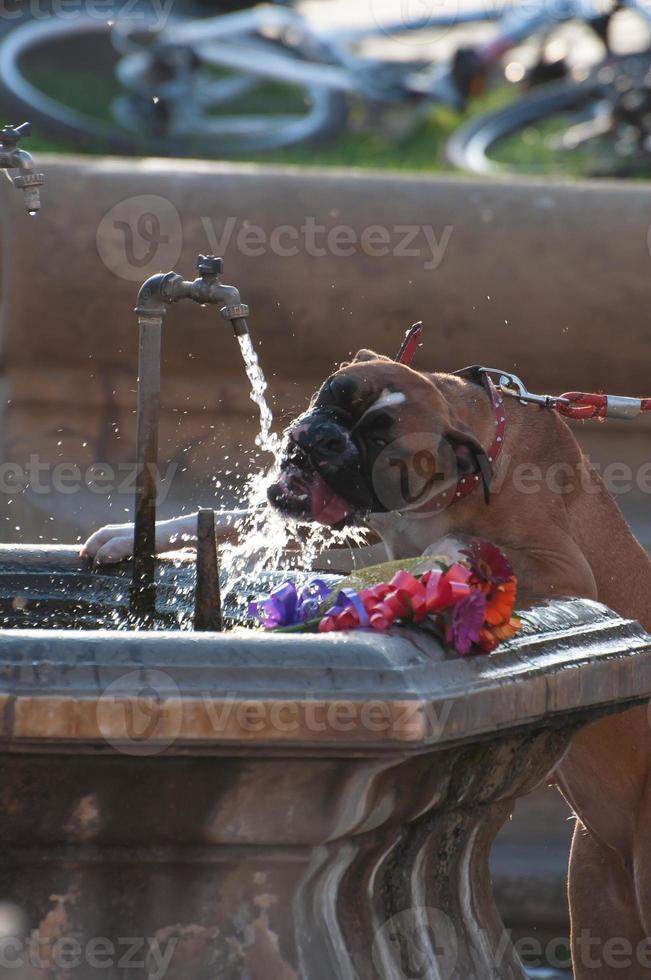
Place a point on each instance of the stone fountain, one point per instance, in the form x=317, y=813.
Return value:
x=205, y=804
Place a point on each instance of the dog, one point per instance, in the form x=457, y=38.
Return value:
x=432, y=461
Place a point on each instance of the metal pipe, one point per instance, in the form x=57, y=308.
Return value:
x=144, y=547
x=207, y=596
x=155, y=295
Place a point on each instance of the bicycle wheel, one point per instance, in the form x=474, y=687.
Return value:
x=86, y=104
x=580, y=128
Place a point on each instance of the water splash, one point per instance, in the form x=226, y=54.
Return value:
x=266, y=542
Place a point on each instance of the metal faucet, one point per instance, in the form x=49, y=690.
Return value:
x=13, y=158
x=165, y=288
x=155, y=296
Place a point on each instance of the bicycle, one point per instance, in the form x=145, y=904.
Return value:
x=268, y=77
x=240, y=82
x=595, y=123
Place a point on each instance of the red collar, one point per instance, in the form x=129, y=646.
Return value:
x=440, y=501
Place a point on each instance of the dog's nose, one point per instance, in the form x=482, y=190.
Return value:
x=327, y=440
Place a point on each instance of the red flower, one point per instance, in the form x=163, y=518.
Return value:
x=487, y=563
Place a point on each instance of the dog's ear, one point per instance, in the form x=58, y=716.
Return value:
x=367, y=355
x=471, y=459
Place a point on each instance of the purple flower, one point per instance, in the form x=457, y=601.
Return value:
x=467, y=621
x=285, y=606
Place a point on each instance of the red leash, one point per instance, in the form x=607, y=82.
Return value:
x=585, y=405
x=573, y=404
x=579, y=405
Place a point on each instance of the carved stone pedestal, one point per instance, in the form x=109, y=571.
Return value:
x=256, y=807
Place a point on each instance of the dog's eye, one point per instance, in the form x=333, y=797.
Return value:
x=375, y=429
x=375, y=440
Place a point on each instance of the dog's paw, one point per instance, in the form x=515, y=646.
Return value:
x=450, y=547
x=109, y=545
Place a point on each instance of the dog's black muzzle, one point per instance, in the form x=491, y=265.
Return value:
x=321, y=440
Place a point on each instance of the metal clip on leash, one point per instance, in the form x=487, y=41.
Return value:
x=511, y=384
x=572, y=404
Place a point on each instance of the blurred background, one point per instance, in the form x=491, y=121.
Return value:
x=376, y=83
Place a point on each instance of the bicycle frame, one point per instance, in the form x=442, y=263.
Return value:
x=267, y=18
x=517, y=27
x=213, y=38
x=340, y=69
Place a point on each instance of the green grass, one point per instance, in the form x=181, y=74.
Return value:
x=533, y=150
x=536, y=150
x=401, y=138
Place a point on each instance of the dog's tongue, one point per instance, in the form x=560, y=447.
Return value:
x=327, y=506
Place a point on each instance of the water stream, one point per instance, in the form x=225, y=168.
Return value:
x=266, y=439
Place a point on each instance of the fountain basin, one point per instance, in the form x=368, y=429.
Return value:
x=51, y=587
x=270, y=807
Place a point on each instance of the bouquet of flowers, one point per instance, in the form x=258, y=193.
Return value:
x=469, y=604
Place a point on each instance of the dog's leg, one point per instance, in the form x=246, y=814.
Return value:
x=114, y=543
x=546, y=570
x=608, y=940
x=451, y=546
x=347, y=560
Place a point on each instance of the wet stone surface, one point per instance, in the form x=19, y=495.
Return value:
x=52, y=588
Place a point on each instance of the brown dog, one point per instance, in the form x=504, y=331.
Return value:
x=373, y=421
x=420, y=459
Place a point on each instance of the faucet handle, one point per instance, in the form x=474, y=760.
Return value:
x=210, y=265
x=9, y=135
